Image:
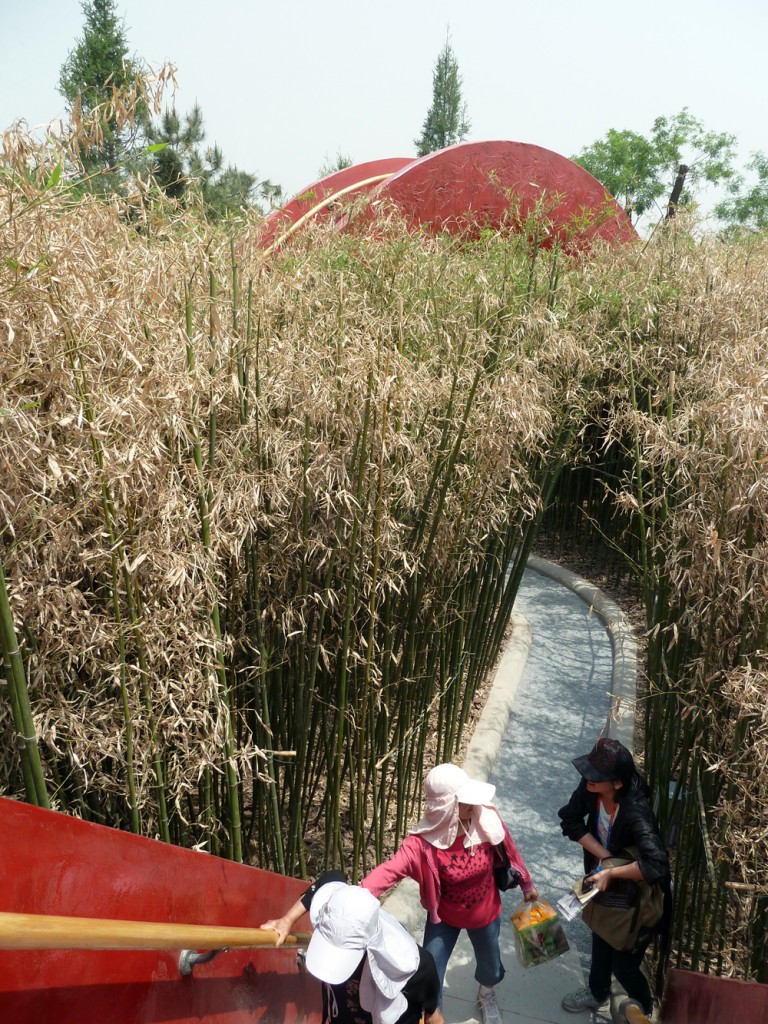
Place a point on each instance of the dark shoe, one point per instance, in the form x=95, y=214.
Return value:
x=581, y=1001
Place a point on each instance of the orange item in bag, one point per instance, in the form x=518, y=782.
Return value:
x=538, y=933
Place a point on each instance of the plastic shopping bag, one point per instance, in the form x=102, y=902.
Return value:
x=538, y=933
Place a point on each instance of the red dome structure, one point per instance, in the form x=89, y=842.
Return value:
x=318, y=200
x=466, y=189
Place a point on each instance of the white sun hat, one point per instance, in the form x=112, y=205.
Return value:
x=445, y=787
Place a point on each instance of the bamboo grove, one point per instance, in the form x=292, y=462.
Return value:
x=675, y=478
x=262, y=523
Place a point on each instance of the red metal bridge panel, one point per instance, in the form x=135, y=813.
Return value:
x=279, y=221
x=692, y=998
x=53, y=864
x=477, y=185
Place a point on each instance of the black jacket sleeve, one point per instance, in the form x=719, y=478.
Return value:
x=327, y=876
x=639, y=829
x=422, y=990
x=575, y=814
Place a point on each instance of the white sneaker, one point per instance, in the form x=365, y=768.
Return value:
x=489, y=1008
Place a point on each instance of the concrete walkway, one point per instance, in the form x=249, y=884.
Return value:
x=570, y=654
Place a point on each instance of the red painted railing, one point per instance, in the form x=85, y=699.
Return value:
x=691, y=998
x=53, y=864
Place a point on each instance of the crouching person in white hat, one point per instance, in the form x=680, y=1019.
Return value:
x=371, y=968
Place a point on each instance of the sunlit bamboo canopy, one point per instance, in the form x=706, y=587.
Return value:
x=263, y=522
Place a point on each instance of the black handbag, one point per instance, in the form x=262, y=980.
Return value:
x=504, y=875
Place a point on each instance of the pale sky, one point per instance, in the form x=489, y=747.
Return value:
x=285, y=85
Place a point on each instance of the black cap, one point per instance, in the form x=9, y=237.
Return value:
x=607, y=761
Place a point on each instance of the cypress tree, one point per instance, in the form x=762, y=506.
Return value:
x=446, y=121
x=98, y=67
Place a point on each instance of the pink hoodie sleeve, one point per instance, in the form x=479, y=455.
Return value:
x=516, y=861
x=390, y=872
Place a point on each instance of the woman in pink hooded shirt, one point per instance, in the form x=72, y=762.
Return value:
x=451, y=854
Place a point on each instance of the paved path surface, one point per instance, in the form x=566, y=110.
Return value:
x=543, y=710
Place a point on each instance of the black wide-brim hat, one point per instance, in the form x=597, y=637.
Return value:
x=607, y=761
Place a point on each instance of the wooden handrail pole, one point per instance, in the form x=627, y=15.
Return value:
x=42, y=931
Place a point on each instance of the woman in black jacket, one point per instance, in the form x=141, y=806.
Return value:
x=608, y=812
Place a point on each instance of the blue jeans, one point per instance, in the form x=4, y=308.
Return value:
x=440, y=939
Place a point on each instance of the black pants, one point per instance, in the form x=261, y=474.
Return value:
x=626, y=966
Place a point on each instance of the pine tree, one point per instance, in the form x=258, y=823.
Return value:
x=181, y=137
x=329, y=166
x=446, y=121
x=98, y=68
x=185, y=167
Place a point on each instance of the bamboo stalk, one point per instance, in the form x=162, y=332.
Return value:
x=204, y=503
x=300, y=697
x=118, y=549
x=276, y=822
x=19, y=697
x=12, y=657
x=133, y=807
x=361, y=791
x=335, y=849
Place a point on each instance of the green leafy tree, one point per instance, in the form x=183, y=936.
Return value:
x=675, y=161
x=446, y=121
x=692, y=157
x=627, y=165
x=748, y=209
x=97, y=71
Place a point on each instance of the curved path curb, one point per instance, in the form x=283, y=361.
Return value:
x=620, y=725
